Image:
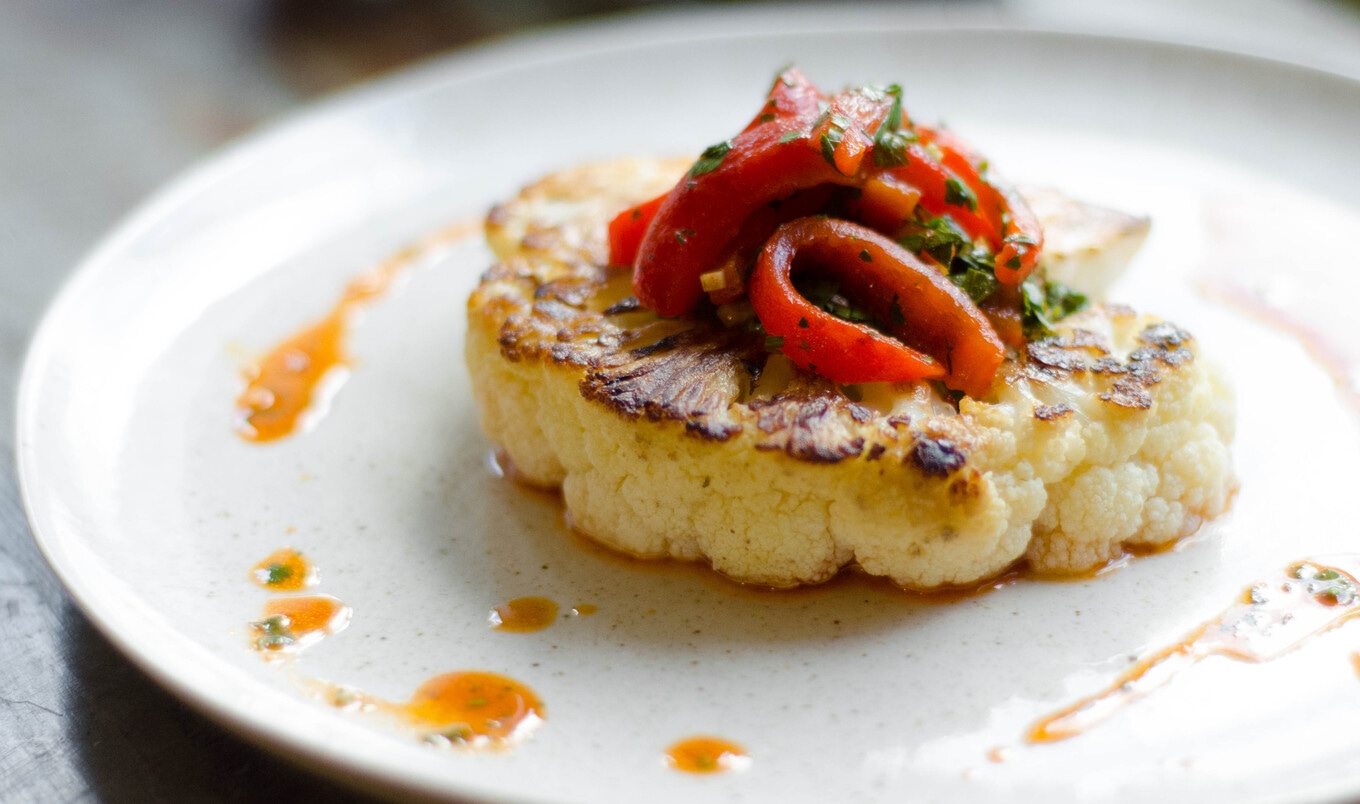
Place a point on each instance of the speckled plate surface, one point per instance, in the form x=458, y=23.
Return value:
x=152, y=510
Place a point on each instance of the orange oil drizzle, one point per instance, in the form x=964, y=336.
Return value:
x=1270, y=619
x=283, y=385
x=297, y=621
x=706, y=755
x=285, y=570
x=524, y=614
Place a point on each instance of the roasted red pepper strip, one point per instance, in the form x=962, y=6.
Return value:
x=627, y=229
x=769, y=161
x=932, y=178
x=792, y=96
x=1022, y=239
x=700, y=218
x=949, y=338
x=1019, y=237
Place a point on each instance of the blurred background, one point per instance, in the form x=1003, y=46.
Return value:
x=101, y=102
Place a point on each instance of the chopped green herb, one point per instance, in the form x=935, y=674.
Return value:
x=278, y=573
x=830, y=139
x=824, y=293
x=956, y=194
x=865, y=255
x=1062, y=300
x=975, y=279
x=682, y=236
x=938, y=238
x=1044, y=303
x=790, y=136
x=890, y=141
x=767, y=117
x=274, y=633
x=803, y=322
x=774, y=342
x=710, y=159
x=637, y=213
x=895, y=312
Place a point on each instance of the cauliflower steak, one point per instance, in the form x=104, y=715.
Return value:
x=687, y=438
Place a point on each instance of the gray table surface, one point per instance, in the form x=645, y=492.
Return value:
x=101, y=102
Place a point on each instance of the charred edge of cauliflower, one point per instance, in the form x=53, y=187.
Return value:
x=684, y=438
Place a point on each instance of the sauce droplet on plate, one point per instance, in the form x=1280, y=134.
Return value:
x=523, y=615
x=285, y=570
x=475, y=709
x=292, y=623
x=706, y=755
x=1270, y=619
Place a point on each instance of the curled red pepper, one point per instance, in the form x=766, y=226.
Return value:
x=937, y=332
x=701, y=217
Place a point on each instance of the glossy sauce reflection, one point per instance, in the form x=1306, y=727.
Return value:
x=284, y=386
x=1272, y=618
x=706, y=755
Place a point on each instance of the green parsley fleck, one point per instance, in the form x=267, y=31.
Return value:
x=1044, y=303
x=975, y=279
x=710, y=159
x=890, y=141
x=767, y=117
x=277, y=574
x=803, y=322
x=790, y=136
x=956, y=194
x=865, y=256
x=274, y=633
x=774, y=342
x=830, y=139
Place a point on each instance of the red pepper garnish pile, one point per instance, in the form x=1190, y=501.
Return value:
x=839, y=187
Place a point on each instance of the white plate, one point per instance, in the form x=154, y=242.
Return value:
x=152, y=510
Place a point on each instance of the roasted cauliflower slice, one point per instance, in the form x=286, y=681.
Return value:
x=686, y=438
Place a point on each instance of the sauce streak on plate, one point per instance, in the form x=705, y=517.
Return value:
x=283, y=387
x=1271, y=618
